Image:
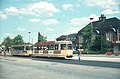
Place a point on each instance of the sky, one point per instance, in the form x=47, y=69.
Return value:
x=52, y=18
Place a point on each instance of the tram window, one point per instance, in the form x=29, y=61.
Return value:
x=35, y=48
x=70, y=46
x=39, y=47
x=63, y=46
x=48, y=47
x=56, y=47
x=28, y=47
x=45, y=48
x=18, y=48
x=52, y=47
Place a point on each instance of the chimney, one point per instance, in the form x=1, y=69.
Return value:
x=102, y=18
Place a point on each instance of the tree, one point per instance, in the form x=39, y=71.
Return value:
x=18, y=40
x=96, y=44
x=101, y=44
x=7, y=42
x=87, y=36
x=41, y=38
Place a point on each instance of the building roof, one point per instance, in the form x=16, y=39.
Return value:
x=107, y=24
x=62, y=37
x=104, y=25
x=72, y=35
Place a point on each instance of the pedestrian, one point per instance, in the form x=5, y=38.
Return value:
x=79, y=54
x=4, y=53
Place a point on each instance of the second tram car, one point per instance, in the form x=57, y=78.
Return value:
x=53, y=49
x=22, y=50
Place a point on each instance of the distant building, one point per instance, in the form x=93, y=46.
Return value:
x=70, y=37
x=62, y=38
x=109, y=29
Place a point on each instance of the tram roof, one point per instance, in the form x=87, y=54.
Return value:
x=22, y=45
x=63, y=42
x=45, y=43
x=53, y=42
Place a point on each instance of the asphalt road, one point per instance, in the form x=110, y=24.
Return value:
x=44, y=68
x=82, y=62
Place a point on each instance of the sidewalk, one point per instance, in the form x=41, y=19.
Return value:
x=103, y=57
x=75, y=57
x=14, y=58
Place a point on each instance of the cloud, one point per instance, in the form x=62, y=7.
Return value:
x=34, y=20
x=108, y=6
x=49, y=29
x=110, y=11
x=7, y=34
x=21, y=29
x=2, y=16
x=11, y=10
x=95, y=17
x=77, y=3
x=37, y=9
x=101, y=3
x=83, y=20
x=72, y=30
x=67, y=7
x=50, y=22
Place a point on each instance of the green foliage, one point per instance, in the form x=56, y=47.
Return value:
x=18, y=40
x=96, y=44
x=86, y=37
x=41, y=38
x=7, y=43
x=100, y=44
x=86, y=32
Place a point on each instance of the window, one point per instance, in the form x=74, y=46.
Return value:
x=56, y=47
x=118, y=48
x=63, y=46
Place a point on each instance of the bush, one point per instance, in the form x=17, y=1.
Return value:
x=91, y=52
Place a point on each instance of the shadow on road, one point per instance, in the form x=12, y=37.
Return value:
x=83, y=62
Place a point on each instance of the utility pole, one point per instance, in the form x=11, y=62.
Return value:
x=91, y=32
x=29, y=36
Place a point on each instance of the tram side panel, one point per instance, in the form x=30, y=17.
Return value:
x=53, y=49
x=21, y=53
x=67, y=53
x=53, y=53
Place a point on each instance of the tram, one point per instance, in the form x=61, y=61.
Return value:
x=21, y=50
x=53, y=49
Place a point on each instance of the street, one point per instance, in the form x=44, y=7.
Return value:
x=46, y=68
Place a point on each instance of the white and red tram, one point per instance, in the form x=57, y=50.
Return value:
x=53, y=49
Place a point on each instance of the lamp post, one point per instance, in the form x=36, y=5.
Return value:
x=91, y=31
x=29, y=36
x=91, y=26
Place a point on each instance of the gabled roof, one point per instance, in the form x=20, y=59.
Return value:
x=107, y=24
x=62, y=37
x=104, y=25
x=72, y=35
